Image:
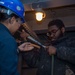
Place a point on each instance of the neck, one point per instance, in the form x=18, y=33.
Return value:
x=8, y=26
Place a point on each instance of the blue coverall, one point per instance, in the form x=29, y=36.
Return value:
x=8, y=52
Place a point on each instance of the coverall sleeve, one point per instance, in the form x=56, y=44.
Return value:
x=66, y=50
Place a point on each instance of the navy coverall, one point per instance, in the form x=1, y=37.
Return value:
x=8, y=53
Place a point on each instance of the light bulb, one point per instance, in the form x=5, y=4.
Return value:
x=39, y=16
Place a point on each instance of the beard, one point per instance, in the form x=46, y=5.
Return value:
x=60, y=35
x=53, y=40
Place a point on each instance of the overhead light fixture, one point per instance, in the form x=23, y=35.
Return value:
x=40, y=14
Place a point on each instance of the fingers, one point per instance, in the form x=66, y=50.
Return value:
x=51, y=50
x=35, y=46
x=27, y=46
x=23, y=30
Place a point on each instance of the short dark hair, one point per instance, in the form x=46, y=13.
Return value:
x=59, y=23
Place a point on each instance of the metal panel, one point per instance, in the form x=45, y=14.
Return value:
x=53, y=4
x=48, y=4
x=32, y=1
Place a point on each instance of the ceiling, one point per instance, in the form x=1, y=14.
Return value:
x=32, y=1
x=51, y=13
x=31, y=5
x=52, y=8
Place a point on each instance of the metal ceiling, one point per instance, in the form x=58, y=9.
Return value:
x=31, y=5
x=32, y=1
x=52, y=13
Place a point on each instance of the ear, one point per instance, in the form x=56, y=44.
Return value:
x=63, y=29
x=11, y=20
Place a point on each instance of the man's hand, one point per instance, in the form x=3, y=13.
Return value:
x=51, y=50
x=26, y=46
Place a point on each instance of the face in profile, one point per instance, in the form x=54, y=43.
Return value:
x=15, y=24
x=54, y=32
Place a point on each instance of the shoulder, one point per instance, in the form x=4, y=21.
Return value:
x=7, y=39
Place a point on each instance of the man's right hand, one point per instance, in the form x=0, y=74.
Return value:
x=51, y=50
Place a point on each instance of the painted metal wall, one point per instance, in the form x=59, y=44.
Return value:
x=33, y=1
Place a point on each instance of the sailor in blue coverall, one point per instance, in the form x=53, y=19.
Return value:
x=11, y=17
